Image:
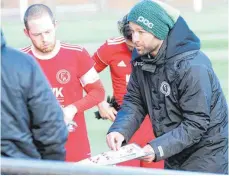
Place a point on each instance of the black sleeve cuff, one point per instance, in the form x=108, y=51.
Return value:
x=159, y=153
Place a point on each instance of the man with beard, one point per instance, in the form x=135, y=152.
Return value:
x=116, y=53
x=69, y=70
x=173, y=81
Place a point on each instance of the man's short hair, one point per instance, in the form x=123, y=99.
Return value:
x=124, y=29
x=37, y=10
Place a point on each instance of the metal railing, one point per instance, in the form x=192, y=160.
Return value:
x=43, y=167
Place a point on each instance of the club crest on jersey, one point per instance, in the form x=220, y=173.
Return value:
x=63, y=76
x=165, y=88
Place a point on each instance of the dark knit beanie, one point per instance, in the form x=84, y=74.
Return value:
x=155, y=17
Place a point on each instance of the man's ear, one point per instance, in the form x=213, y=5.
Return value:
x=55, y=24
x=26, y=32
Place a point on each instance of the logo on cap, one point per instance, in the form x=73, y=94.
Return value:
x=145, y=21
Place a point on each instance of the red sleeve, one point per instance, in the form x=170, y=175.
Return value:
x=84, y=63
x=99, y=65
x=102, y=57
x=95, y=95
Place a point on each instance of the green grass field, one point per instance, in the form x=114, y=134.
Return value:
x=92, y=30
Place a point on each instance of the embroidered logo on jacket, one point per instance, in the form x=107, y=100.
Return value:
x=63, y=76
x=165, y=88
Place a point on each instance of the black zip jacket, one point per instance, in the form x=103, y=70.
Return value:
x=180, y=91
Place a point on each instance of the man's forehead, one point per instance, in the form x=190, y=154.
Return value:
x=39, y=19
x=40, y=23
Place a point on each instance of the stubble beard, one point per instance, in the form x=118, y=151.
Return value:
x=46, y=50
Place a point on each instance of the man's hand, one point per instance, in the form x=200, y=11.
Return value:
x=69, y=114
x=107, y=112
x=149, y=158
x=114, y=140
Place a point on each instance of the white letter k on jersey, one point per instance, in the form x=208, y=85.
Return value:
x=57, y=92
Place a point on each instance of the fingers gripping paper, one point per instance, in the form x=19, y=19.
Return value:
x=125, y=153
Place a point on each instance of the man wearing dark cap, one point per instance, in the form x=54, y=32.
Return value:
x=116, y=54
x=173, y=81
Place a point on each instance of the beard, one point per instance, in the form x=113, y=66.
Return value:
x=141, y=51
x=148, y=50
x=46, y=49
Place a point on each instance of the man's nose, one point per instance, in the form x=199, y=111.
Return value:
x=44, y=37
x=135, y=37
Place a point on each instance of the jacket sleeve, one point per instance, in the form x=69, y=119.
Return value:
x=195, y=97
x=132, y=111
x=48, y=127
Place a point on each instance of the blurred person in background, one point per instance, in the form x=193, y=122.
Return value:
x=69, y=70
x=116, y=53
x=32, y=121
x=173, y=81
